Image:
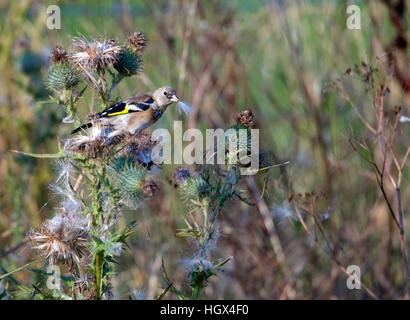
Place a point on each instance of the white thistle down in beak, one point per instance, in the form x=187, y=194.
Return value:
x=186, y=107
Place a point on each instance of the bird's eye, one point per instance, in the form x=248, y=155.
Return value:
x=165, y=93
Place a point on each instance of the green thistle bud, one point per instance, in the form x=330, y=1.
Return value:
x=238, y=142
x=130, y=179
x=243, y=144
x=245, y=121
x=194, y=188
x=62, y=76
x=30, y=62
x=120, y=163
x=239, y=126
x=129, y=63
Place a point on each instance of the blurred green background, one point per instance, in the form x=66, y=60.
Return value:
x=275, y=57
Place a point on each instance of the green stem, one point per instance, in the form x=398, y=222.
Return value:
x=72, y=109
x=96, y=203
x=115, y=81
x=205, y=231
x=196, y=293
x=98, y=268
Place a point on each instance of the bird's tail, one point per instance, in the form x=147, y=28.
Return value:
x=83, y=127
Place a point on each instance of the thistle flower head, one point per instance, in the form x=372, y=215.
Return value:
x=246, y=118
x=238, y=140
x=197, y=264
x=62, y=76
x=138, y=41
x=131, y=180
x=194, y=188
x=139, y=147
x=59, y=54
x=181, y=174
x=64, y=237
x=30, y=62
x=128, y=63
x=94, y=144
x=94, y=54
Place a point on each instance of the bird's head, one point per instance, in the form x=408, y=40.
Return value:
x=164, y=96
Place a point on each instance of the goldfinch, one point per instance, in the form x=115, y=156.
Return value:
x=135, y=113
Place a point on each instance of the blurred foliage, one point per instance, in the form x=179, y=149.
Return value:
x=276, y=57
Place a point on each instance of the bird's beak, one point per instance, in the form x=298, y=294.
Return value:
x=174, y=98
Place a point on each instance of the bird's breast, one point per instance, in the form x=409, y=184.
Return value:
x=157, y=113
x=140, y=121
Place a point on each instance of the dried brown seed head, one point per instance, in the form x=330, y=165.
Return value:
x=59, y=54
x=65, y=237
x=138, y=41
x=246, y=117
x=95, y=55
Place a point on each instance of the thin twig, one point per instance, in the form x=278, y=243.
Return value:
x=12, y=249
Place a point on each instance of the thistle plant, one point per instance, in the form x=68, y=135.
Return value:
x=95, y=179
x=99, y=175
x=205, y=192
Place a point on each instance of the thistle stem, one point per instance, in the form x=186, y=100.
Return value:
x=98, y=265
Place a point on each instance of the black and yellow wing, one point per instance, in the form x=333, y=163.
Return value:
x=125, y=107
x=136, y=103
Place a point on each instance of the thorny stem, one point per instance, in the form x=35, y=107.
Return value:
x=98, y=265
x=96, y=202
x=72, y=109
x=103, y=87
x=97, y=210
x=205, y=231
x=208, y=229
x=115, y=81
x=196, y=292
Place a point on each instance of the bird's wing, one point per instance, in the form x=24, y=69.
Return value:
x=141, y=101
x=136, y=103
